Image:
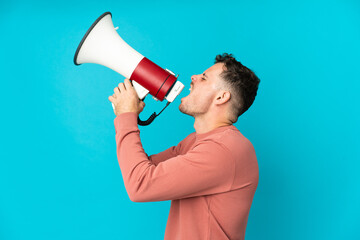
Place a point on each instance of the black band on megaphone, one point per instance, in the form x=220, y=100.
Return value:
x=163, y=85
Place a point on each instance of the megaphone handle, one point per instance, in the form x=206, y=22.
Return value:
x=150, y=119
x=143, y=123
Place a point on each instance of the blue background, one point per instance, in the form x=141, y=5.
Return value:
x=59, y=177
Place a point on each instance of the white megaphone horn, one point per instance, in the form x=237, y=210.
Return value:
x=103, y=45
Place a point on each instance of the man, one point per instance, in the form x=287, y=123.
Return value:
x=210, y=176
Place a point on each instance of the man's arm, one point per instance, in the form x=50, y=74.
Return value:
x=163, y=156
x=206, y=169
x=168, y=153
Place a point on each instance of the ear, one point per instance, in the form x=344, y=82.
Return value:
x=222, y=97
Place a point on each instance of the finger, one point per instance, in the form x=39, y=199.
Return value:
x=116, y=91
x=111, y=99
x=122, y=87
x=128, y=84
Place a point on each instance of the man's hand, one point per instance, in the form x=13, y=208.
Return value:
x=125, y=99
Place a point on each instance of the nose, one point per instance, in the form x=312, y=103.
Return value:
x=194, y=78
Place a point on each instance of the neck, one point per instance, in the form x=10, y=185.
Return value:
x=204, y=125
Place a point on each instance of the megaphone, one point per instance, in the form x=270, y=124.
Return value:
x=102, y=45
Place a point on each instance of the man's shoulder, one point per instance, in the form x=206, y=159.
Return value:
x=189, y=137
x=185, y=144
x=231, y=138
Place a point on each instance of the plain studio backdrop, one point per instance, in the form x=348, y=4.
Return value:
x=59, y=176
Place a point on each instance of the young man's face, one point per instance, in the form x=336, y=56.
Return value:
x=202, y=92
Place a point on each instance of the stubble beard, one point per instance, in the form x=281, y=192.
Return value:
x=185, y=108
x=191, y=108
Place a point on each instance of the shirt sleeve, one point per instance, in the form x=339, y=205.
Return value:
x=163, y=156
x=167, y=154
x=206, y=169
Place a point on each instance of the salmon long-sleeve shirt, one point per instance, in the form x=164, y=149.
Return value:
x=210, y=179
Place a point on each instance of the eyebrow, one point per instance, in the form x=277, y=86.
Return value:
x=205, y=75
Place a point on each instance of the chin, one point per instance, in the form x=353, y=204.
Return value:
x=182, y=108
x=185, y=110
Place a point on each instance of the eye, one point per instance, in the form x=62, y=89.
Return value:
x=203, y=79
